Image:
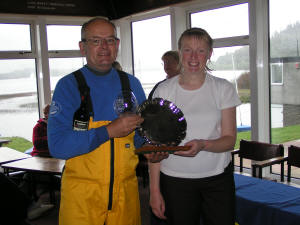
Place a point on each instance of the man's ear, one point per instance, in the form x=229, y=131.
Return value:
x=82, y=48
x=118, y=44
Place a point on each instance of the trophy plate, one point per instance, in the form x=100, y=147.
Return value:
x=164, y=126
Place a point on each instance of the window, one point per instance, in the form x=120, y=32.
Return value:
x=284, y=36
x=60, y=67
x=230, y=58
x=228, y=26
x=63, y=37
x=276, y=73
x=63, y=46
x=148, y=49
x=18, y=87
x=28, y=63
x=15, y=37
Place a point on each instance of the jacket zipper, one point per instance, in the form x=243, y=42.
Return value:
x=112, y=168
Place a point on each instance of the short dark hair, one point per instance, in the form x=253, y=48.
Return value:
x=86, y=24
x=173, y=54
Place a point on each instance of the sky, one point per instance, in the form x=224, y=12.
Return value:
x=282, y=13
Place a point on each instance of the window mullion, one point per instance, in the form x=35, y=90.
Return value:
x=42, y=63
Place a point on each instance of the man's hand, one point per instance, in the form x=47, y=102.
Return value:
x=124, y=125
x=155, y=157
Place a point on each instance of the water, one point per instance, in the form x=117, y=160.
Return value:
x=21, y=123
x=19, y=115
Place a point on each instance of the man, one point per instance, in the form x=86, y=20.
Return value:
x=99, y=185
x=171, y=67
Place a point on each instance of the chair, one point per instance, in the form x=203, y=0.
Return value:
x=293, y=159
x=264, y=154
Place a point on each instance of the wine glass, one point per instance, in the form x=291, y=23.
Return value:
x=125, y=103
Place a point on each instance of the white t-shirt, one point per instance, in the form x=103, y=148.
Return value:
x=202, y=110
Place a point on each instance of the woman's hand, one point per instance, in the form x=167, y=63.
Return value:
x=157, y=204
x=196, y=147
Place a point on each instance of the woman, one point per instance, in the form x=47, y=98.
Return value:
x=198, y=183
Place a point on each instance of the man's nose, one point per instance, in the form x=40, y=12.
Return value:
x=103, y=44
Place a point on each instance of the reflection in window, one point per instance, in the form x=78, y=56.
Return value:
x=63, y=37
x=233, y=21
x=276, y=73
x=18, y=98
x=148, y=49
x=15, y=37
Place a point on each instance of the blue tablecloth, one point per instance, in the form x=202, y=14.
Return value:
x=243, y=128
x=264, y=202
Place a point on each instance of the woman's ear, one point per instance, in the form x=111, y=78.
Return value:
x=209, y=54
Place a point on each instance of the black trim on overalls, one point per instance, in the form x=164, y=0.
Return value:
x=84, y=91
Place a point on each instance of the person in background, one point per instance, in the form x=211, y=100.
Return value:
x=171, y=66
x=117, y=65
x=198, y=184
x=39, y=149
x=99, y=183
x=39, y=136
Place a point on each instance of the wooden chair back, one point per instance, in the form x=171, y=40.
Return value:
x=265, y=154
x=293, y=159
x=260, y=151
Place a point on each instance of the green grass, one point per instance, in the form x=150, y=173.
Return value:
x=246, y=135
x=285, y=134
x=279, y=135
x=18, y=143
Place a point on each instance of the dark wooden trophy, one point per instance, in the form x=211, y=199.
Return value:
x=164, y=126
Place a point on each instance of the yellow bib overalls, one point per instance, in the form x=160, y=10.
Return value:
x=101, y=186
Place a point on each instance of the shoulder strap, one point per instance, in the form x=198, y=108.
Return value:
x=124, y=81
x=126, y=90
x=84, y=90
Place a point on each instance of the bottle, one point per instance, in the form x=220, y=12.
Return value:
x=81, y=118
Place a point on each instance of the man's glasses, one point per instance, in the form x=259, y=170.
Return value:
x=99, y=41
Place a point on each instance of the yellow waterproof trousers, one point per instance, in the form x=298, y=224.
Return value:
x=101, y=186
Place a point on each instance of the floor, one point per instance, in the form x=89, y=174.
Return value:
x=51, y=218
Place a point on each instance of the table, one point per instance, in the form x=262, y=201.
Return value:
x=9, y=155
x=4, y=141
x=37, y=164
x=264, y=202
x=41, y=165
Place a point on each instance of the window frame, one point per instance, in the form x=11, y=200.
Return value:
x=272, y=73
x=39, y=48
